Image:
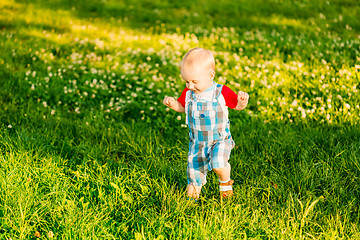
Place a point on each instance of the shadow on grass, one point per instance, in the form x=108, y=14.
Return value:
x=5, y=24
x=187, y=16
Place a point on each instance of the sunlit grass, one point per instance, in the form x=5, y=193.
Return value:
x=77, y=190
x=87, y=149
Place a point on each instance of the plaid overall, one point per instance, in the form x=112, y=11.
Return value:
x=210, y=139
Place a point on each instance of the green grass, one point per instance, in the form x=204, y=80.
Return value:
x=87, y=150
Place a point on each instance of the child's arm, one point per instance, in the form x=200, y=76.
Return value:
x=174, y=104
x=243, y=99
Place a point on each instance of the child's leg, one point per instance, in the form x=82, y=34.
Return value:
x=219, y=159
x=196, y=169
x=225, y=183
x=223, y=173
x=193, y=192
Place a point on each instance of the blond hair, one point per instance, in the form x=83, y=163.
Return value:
x=198, y=57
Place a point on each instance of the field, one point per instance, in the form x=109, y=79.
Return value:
x=88, y=150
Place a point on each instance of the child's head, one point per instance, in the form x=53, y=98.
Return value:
x=198, y=69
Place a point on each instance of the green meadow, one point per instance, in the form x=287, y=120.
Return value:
x=88, y=150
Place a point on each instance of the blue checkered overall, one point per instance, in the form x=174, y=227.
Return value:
x=210, y=139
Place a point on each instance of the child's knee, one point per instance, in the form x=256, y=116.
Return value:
x=216, y=170
x=219, y=170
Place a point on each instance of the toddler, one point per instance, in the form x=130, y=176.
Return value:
x=206, y=106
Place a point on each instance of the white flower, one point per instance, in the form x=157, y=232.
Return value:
x=9, y=126
x=50, y=234
x=178, y=118
x=303, y=114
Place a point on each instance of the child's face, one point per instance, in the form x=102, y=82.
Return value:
x=197, y=79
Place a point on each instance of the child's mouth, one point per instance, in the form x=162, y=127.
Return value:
x=194, y=90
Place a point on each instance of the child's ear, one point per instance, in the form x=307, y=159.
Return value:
x=212, y=74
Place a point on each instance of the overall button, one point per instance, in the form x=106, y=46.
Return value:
x=202, y=115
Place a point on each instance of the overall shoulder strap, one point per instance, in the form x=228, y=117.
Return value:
x=218, y=90
x=192, y=95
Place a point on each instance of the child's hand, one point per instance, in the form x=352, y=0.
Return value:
x=243, y=99
x=169, y=101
